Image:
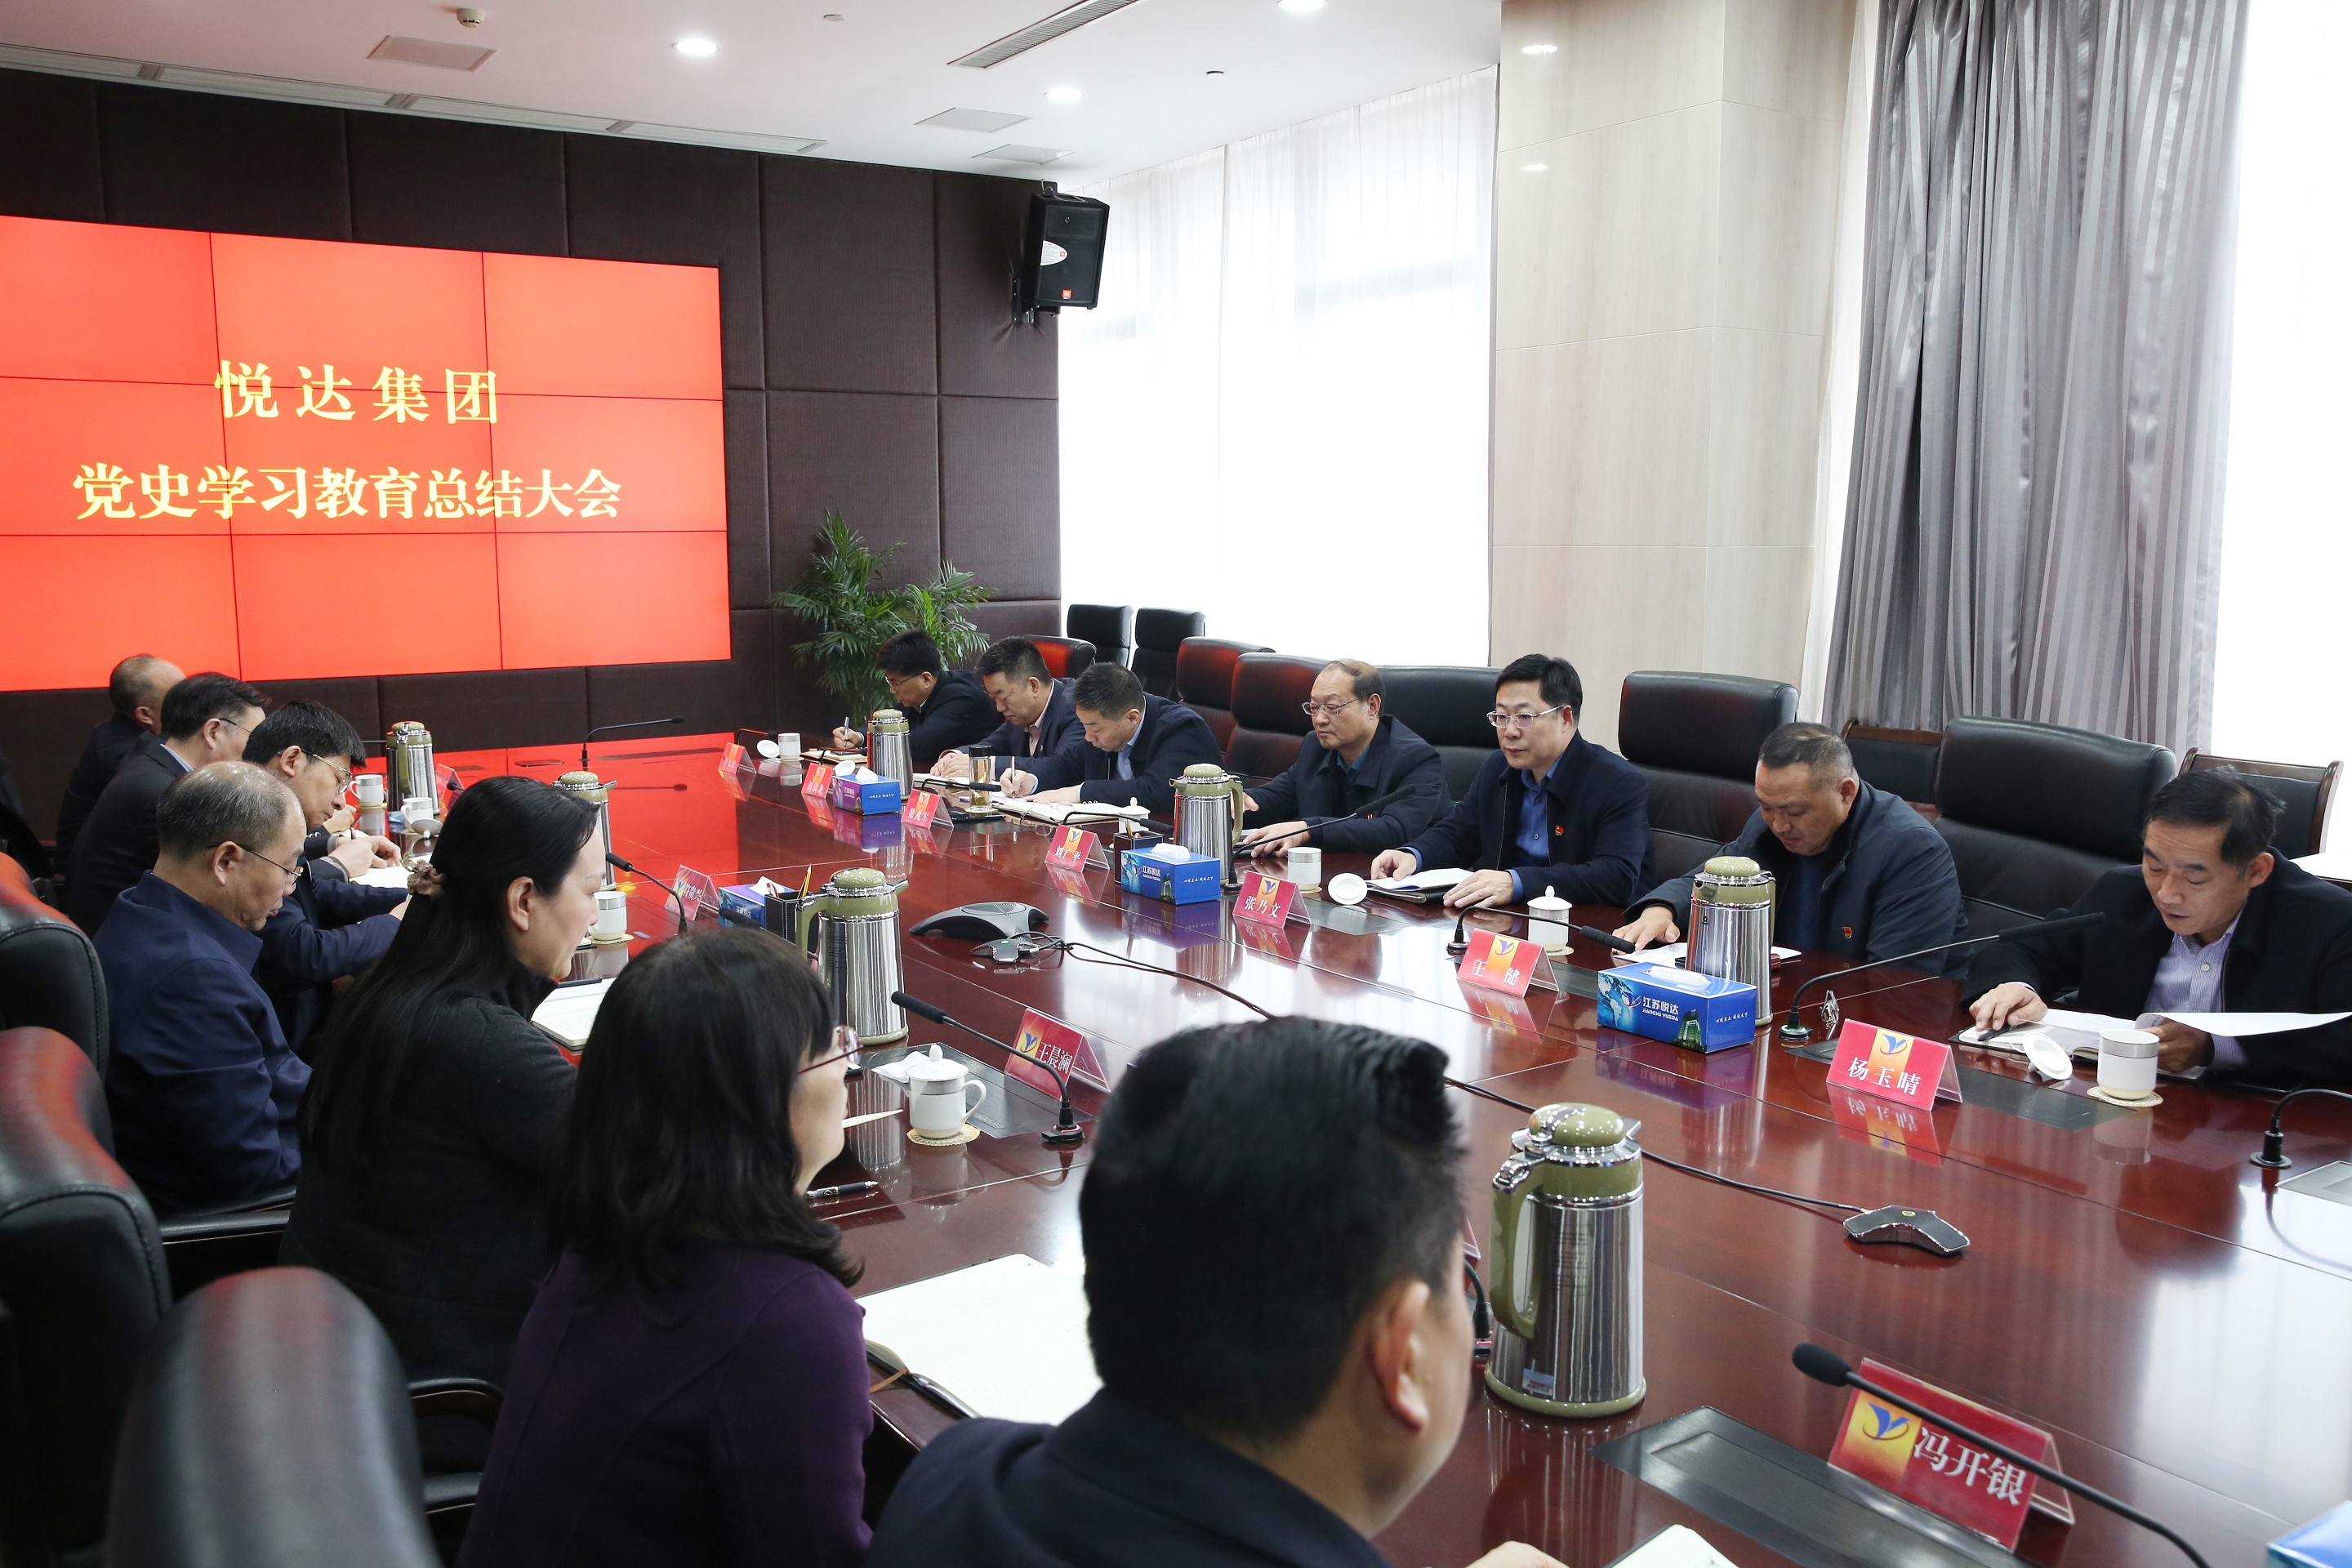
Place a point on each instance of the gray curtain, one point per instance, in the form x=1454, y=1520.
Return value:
x=2033, y=528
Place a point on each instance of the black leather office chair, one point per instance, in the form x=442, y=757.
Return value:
x=269, y=1427
x=2304, y=791
x=1446, y=705
x=49, y=974
x=1064, y=656
x=21, y=844
x=1902, y=762
x=1204, y=680
x=2034, y=814
x=1270, y=721
x=1696, y=738
x=1110, y=628
x=1159, y=634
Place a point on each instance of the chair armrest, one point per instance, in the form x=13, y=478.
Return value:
x=191, y=1228
x=201, y=1249
x=456, y=1396
x=276, y=1198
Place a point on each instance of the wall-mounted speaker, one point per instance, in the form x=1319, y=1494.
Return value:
x=1062, y=252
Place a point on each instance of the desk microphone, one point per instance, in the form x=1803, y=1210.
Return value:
x=633, y=724
x=1794, y=1033
x=1607, y=939
x=1826, y=1366
x=2274, y=1154
x=649, y=876
x=1366, y=809
x=1066, y=1130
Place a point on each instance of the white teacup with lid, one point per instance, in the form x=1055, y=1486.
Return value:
x=938, y=1093
x=2127, y=1062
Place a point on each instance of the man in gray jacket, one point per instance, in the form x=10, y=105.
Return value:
x=1858, y=873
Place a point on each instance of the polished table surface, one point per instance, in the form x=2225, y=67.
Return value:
x=2134, y=1284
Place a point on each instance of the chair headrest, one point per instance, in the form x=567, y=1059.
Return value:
x=54, y=1130
x=1268, y=689
x=1105, y=625
x=1164, y=629
x=1445, y=704
x=1700, y=723
x=2074, y=787
x=1205, y=670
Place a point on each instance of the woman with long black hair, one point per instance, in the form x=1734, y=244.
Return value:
x=691, y=1388
x=432, y=1097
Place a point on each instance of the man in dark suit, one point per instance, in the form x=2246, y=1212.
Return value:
x=1855, y=870
x=1359, y=754
x=2212, y=922
x=1134, y=744
x=135, y=692
x=1275, y=1389
x=330, y=926
x=1549, y=809
x=944, y=708
x=206, y=720
x=201, y=1084
x=1040, y=718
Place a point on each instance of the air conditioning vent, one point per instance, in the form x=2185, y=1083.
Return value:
x=973, y=120
x=1045, y=32
x=431, y=52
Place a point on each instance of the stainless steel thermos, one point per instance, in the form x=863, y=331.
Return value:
x=851, y=924
x=408, y=760
x=1567, y=1265
x=583, y=786
x=1731, y=926
x=885, y=748
x=1209, y=814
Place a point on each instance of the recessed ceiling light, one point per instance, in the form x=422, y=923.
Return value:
x=1302, y=5
x=696, y=45
x=1533, y=168
x=1062, y=95
x=1539, y=48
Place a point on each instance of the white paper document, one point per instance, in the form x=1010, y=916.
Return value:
x=2077, y=1032
x=1420, y=881
x=1007, y=1337
x=570, y=1011
x=383, y=876
x=2240, y=1024
x=1675, y=955
x=1676, y=1546
x=1087, y=812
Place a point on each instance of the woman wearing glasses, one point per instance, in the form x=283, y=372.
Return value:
x=691, y=1385
x=432, y=1096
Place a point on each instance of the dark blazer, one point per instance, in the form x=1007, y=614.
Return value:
x=201, y=1083
x=1170, y=739
x=1319, y=786
x=1890, y=887
x=721, y=1421
x=1112, y=1486
x=441, y=1235
x=328, y=928
x=117, y=844
x=2291, y=953
x=1600, y=814
x=957, y=713
x=101, y=755
x=1058, y=729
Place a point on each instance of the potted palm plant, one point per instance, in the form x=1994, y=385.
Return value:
x=849, y=613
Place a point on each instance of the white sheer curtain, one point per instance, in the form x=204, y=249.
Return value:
x=2279, y=692
x=1279, y=414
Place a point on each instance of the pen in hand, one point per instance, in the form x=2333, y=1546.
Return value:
x=846, y=1190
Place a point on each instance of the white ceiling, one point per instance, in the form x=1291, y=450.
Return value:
x=858, y=84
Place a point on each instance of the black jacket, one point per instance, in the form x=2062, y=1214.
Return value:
x=117, y=846
x=1600, y=815
x=442, y=1237
x=957, y=714
x=2291, y=953
x=1112, y=1486
x=1058, y=729
x=101, y=755
x=1318, y=786
x=329, y=927
x=1890, y=887
x=1170, y=739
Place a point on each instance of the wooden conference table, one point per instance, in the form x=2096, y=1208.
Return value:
x=2134, y=1285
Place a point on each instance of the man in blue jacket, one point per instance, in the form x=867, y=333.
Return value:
x=1135, y=743
x=1359, y=755
x=1040, y=718
x=201, y=1084
x=1549, y=809
x=1855, y=870
x=330, y=926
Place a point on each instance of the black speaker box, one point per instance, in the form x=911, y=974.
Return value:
x=1062, y=252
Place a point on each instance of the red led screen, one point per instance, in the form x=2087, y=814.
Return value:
x=297, y=458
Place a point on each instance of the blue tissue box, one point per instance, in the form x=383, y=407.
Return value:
x=1680, y=1006
x=1169, y=874
x=2325, y=1543
x=871, y=799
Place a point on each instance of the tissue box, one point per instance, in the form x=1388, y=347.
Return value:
x=1680, y=1006
x=1170, y=874
x=881, y=795
x=2325, y=1543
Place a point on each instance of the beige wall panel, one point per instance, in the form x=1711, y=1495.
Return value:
x=1764, y=438
x=1603, y=442
x=1613, y=60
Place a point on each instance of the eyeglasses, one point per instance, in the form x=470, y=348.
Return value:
x=1502, y=721
x=292, y=874
x=343, y=776
x=1329, y=710
x=846, y=1047
x=1482, y=1317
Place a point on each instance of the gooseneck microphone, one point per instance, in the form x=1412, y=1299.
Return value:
x=2274, y=1154
x=1824, y=1365
x=1793, y=1032
x=1607, y=939
x=1369, y=806
x=633, y=724
x=649, y=876
x=1067, y=1129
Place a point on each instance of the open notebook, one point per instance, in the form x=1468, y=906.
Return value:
x=570, y=1011
x=1007, y=1337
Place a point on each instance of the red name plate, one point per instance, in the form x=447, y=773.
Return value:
x=1265, y=901
x=1059, y=1047
x=1918, y=1460
x=1902, y=1068
x=1070, y=850
x=731, y=758
x=816, y=781
x=920, y=808
x=1500, y=963
x=696, y=891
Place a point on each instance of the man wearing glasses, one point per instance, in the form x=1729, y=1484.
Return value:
x=944, y=708
x=206, y=720
x=1359, y=755
x=330, y=926
x=201, y=1083
x=1549, y=809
